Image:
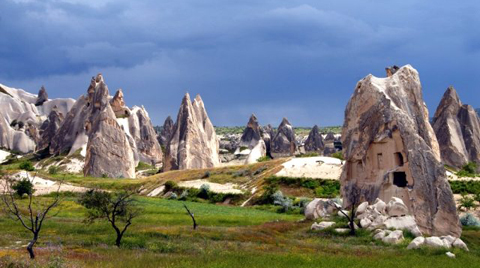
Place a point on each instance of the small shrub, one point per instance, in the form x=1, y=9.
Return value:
x=206, y=175
x=264, y=159
x=52, y=170
x=184, y=195
x=23, y=186
x=173, y=196
x=259, y=171
x=26, y=165
x=338, y=155
x=14, y=123
x=467, y=202
x=243, y=148
x=204, y=191
x=280, y=200
x=470, y=220
x=170, y=186
x=469, y=170
x=104, y=176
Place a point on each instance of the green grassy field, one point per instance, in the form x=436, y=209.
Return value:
x=227, y=237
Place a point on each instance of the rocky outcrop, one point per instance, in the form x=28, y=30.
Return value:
x=118, y=105
x=251, y=146
x=49, y=128
x=329, y=144
x=194, y=144
x=457, y=128
x=20, y=119
x=267, y=135
x=391, y=151
x=167, y=131
x=42, y=96
x=314, y=142
x=284, y=144
x=252, y=133
x=108, y=150
x=145, y=140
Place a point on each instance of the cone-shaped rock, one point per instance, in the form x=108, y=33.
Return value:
x=108, y=150
x=49, y=128
x=283, y=144
x=144, y=136
x=118, y=105
x=267, y=135
x=391, y=151
x=329, y=143
x=314, y=142
x=252, y=134
x=167, y=131
x=194, y=144
x=458, y=131
x=42, y=96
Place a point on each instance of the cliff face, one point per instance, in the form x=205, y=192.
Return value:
x=391, y=151
x=194, y=144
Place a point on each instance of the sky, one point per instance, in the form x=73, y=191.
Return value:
x=274, y=58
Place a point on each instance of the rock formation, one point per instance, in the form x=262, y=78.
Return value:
x=314, y=142
x=108, y=150
x=167, y=131
x=391, y=151
x=49, y=128
x=457, y=127
x=118, y=105
x=251, y=143
x=42, y=96
x=283, y=144
x=20, y=119
x=194, y=144
x=267, y=135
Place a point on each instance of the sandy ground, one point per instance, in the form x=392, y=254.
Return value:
x=43, y=186
x=214, y=187
x=453, y=177
x=319, y=167
x=3, y=156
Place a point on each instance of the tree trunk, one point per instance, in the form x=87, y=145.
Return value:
x=30, y=246
x=119, y=239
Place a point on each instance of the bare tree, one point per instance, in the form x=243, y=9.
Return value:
x=30, y=216
x=195, y=225
x=354, y=200
x=118, y=209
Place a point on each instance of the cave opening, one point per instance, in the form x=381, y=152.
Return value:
x=400, y=179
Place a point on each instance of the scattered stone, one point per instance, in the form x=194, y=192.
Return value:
x=396, y=208
x=362, y=208
x=458, y=243
x=434, y=242
x=450, y=255
x=365, y=223
x=416, y=243
x=322, y=225
x=342, y=230
x=394, y=237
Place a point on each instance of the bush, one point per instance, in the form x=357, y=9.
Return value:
x=24, y=186
x=469, y=170
x=170, y=186
x=26, y=165
x=470, y=220
x=465, y=187
x=173, y=196
x=184, y=195
x=206, y=175
x=264, y=159
x=204, y=191
x=338, y=155
x=467, y=202
x=52, y=170
x=280, y=200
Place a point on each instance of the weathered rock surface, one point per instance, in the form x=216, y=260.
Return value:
x=251, y=146
x=252, y=133
x=314, y=142
x=329, y=144
x=283, y=144
x=20, y=119
x=42, y=96
x=118, y=105
x=457, y=127
x=108, y=150
x=49, y=128
x=391, y=150
x=267, y=135
x=322, y=225
x=167, y=131
x=194, y=144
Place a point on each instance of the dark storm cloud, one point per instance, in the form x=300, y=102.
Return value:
x=299, y=59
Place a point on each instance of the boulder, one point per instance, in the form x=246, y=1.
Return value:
x=167, y=131
x=362, y=208
x=315, y=209
x=416, y=243
x=434, y=242
x=42, y=96
x=381, y=234
x=314, y=142
x=365, y=223
x=342, y=230
x=391, y=150
x=322, y=225
x=283, y=144
x=380, y=206
x=448, y=240
x=194, y=144
x=458, y=243
x=403, y=223
x=450, y=255
x=457, y=127
x=394, y=237
x=396, y=208
x=108, y=150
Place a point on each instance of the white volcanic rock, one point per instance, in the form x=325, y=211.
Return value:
x=167, y=131
x=457, y=127
x=320, y=167
x=394, y=237
x=20, y=119
x=322, y=225
x=317, y=208
x=434, y=242
x=194, y=144
x=260, y=150
x=416, y=243
x=391, y=150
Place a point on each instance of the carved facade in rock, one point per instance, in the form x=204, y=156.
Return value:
x=391, y=151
